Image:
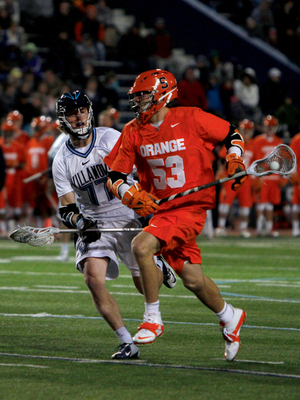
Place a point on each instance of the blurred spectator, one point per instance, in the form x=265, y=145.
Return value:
x=104, y=13
x=133, y=51
x=203, y=66
x=272, y=92
x=111, y=40
x=64, y=58
x=13, y=9
x=161, y=45
x=261, y=20
x=14, y=35
x=215, y=105
x=89, y=24
x=289, y=115
x=32, y=61
x=215, y=64
x=65, y=18
x=90, y=51
x=92, y=91
x=246, y=92
x=191, y=92
x=5, y=17
x=109, y=89
x=226, y=94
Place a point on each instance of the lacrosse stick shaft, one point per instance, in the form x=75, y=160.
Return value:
x=100, y=230
x=36, y=176
x=205, y=186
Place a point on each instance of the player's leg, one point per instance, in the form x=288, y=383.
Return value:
x=94, y=272
x=231, y=319
x=295, y=220
x=144, y=246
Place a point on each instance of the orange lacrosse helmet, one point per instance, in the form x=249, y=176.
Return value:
x=40, y=125
x=269, y=120
x=151, y=91
x=14, y=116
x=246, y=124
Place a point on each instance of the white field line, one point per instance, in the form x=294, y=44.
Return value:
x=47, y=315
x=224, y=294
x=253, y=361
x=23, y=365
x=142, y=363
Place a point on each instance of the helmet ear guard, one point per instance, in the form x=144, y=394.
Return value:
x=71, y=101
x=162, y=88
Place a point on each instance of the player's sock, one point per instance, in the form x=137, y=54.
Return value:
x=152, y=308
x=123, y=335
x=226, y=314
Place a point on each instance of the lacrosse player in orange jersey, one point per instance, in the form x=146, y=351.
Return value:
x=295, y=178
x=167, y=146
x=268, y=187
x=244, y=196
x=14, y=155
x=36, y=161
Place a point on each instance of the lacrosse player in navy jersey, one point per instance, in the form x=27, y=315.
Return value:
x=80, y=178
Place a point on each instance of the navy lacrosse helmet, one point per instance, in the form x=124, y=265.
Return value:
x=69, y=102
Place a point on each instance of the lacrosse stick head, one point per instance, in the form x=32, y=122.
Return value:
x=282, y=156
x=34, y=236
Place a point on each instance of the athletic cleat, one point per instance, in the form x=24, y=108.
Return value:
x=150, y=329
x=231, y=334
x=126, y=351
x=168, y=273
x=64, y=256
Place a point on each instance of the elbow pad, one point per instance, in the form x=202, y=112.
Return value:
x=234, y=139
x=66, y=214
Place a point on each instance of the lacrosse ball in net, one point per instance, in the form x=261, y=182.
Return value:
x=274, y=165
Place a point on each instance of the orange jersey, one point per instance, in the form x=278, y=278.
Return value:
x=172, y=158
x=37, y=154
x=14, y=155
x=22, y=137
x=263, y=146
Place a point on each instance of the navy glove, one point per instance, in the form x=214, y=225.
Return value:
x=84, y=223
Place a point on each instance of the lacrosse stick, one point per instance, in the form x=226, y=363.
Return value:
x=45, y=236
x=36, y=176
x=282, y=158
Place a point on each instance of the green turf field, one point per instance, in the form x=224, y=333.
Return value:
x=54, y=345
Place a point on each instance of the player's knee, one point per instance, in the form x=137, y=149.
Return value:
x=141, y=248
x=194, y=285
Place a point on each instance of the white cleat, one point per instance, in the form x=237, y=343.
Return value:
x=231, y=334
x=151, y=328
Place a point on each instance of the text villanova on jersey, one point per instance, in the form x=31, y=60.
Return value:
x=89, y=174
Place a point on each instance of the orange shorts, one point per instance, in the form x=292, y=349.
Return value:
x=177, y=231
x=270, y=192
x=244, y=194
x=2, y=202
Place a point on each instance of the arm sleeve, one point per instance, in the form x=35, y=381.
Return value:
x=122, y=156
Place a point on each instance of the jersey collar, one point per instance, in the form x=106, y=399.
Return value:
x=78, y=153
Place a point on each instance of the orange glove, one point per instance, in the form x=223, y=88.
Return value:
x=140, y=201
x=235, y=164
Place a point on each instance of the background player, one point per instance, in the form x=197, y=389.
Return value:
x=80, y=177
x=167, y=145
x=244, y=195
x=268, y=188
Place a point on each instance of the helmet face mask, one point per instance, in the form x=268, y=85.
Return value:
x=151, y=91
x=75, y=107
